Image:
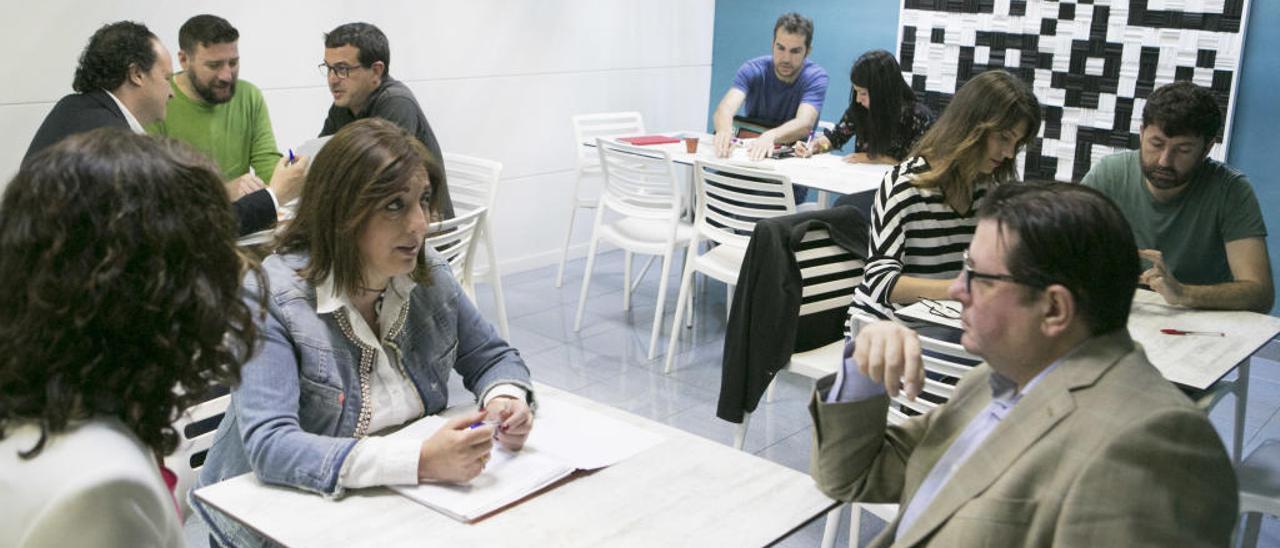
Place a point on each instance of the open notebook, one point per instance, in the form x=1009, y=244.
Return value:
x=565, y=438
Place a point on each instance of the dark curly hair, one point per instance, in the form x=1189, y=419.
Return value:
x=363, y=165
x=1184, y=108
x=119, y=252
x=105, y=62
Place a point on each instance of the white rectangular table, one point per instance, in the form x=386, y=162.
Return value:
x=822, y=172
x=686, y=491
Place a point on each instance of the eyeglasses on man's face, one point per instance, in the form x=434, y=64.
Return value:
x=341, y=70
x=968, y=274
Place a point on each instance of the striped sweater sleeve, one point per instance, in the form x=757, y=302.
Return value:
x=889, y=214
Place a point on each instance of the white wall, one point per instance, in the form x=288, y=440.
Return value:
x=497, y=79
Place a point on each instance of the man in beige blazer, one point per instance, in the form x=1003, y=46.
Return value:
x=1065, y=436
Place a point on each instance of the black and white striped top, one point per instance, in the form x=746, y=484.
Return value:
x=914, y=232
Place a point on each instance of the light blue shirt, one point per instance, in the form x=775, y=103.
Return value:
x=851, y=385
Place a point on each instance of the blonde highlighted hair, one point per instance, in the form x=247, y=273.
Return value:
x=956, y=145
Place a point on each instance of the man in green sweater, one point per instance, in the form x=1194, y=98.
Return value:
x=227, y=119
x=1196, y=220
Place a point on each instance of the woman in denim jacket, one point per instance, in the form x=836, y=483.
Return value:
x=362, y=325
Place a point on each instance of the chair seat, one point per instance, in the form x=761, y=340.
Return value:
x=644, y=235
x=1259, y=479
x=819, y=362
x=723, y=263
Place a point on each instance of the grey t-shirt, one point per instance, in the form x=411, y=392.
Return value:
x=1191, y=230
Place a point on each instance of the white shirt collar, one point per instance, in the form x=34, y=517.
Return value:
x=329, y=300
x=128, y=116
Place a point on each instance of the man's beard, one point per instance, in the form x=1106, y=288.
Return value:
x=209, y=95
x=1172, y=178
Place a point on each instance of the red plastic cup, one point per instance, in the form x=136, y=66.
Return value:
x=691, y=145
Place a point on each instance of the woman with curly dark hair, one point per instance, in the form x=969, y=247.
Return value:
x=122, y=306
x=884, y=118
x=363, y=326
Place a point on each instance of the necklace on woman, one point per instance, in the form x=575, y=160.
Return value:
x=377, y=303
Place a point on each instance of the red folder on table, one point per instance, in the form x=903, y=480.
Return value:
x=649, y=140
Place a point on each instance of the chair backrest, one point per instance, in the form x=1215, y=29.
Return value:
x=731, y=199
x=455, y=240
x=196, y=428
x=589, y=127
x=473, y=182
x=639, y=182
x=945, y=362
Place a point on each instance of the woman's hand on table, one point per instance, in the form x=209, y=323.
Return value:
x=458, y=451
x=516, y=421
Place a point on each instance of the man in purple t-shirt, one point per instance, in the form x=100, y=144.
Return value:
x=786, y=89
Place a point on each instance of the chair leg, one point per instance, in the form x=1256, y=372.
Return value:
x=680, y=307
x=1249, y=532
x=855, y=525
x=626, y=279
x=667, y=258
x=568, y=235
x=495, y=281
x=1242, y=403
x=586, y=282
x=728, y=301
x=832, y=528
x=740, y=432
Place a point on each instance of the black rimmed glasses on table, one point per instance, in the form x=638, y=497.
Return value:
x=941, y=310
x=341, y=70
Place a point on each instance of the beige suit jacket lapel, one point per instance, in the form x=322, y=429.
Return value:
x=1045, y=406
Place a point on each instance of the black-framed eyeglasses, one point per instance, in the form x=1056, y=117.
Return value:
x=941, y=310
x=342, y=71
x=969, y=274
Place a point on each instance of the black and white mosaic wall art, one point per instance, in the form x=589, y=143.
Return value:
x=1092, y=63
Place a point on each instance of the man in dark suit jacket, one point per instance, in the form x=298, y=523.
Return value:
x=123, y=81
x=1065, y=436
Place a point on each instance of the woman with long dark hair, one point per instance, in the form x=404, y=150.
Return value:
x=884, y=118
x=122, y=307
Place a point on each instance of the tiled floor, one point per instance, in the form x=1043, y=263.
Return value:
x=606, y=361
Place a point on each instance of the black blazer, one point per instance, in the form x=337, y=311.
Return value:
x=81, y=112
x=764, y=326
x=76, y=113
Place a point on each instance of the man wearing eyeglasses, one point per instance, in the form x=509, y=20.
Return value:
x=357, y=62
x=226, y=118
x=1064, y=436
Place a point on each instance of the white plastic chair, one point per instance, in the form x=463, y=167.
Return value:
x=819, y=261
x=473, y=184
x=940, y=358
x=639, y=211
x=730, y=199
x=196, y=428
x=587, y=128
x=455, y=240
x=1259, y=479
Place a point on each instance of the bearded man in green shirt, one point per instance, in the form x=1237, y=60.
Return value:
x=1196, y=220
x=226, y=118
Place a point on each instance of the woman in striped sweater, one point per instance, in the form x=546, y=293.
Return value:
x=923, y=216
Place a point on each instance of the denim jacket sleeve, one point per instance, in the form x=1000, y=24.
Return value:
x=266, y=405
x=484, y=359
